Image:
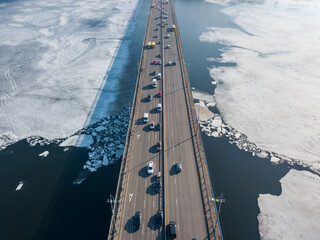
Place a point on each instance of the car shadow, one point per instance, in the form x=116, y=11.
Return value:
x=153, y=149
x=153, y=179
x=173, y=170
x=148, y=87
x=151, y=190
x=143, y=172
x=161, y=234
x=147, y=128
x=152, y=222
x=144, y=100
x=154, y=111
x=129, y=226
x=140, y=121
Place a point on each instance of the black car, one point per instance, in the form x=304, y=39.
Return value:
x=158, y=185
x=149, y=98
x=137, y=221
x=178, y=167
x=174, y=63
x=159, y=218
x=158, y=126
x=172, y=230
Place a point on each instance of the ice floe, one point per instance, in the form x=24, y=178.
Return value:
x=295, y=214
x=54, y=58
x=269, y=99
x=44, y=154
x=272, y=91
x=105, y=140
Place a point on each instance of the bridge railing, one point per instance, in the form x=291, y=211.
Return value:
x=118, y=210
x=205, y=183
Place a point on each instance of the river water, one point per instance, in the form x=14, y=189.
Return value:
x=235, y=173
x=60, y=210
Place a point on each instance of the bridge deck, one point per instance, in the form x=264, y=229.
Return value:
x=186, y=197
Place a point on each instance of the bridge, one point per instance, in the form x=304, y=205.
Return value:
x=185, y=197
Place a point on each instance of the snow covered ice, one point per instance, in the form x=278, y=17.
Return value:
x=44, y=154
x=272, y=95
x=268, y=101
x=295, y=214
x=53, y=58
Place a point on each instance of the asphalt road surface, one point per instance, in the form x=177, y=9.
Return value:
x=181, y=191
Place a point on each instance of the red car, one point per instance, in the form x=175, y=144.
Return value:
x=155, y=62
x=159, y=94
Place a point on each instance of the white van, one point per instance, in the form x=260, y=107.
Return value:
x=146, y=117
x=154, y=82
x=159, y=76
x=159, y=108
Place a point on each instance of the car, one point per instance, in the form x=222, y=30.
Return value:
x=145, y=117
x=151, y=125
x=169, y=63
x=174, y=63
x=137, y=221
x=158, y=146
x=150, y=167
x=155, y=62
x=160, y=62
x=156, y=29
x=149, y=98
x=158, y=126
x=158, y=185
x=167, y=36
x=168, y=46
x=172, y=229
x=154, y=72
x=159, y=94
x=159, y=220
x=159, y=55
x=159, y=76
x=155, y=36
x=178, y=167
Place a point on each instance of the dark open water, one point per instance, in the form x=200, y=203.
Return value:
x=49, y=206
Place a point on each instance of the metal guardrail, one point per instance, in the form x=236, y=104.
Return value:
x=117, y=214
x=205, y=183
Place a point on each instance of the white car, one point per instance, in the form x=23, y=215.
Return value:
x=168, y=46
x=150, y=167
x=160, y=62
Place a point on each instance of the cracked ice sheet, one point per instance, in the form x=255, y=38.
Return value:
x=53, y=58
x=295, y=214
x=273, y=93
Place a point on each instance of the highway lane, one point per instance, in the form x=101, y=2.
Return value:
x=141, y=194
x=181, y=194
x=184, y=201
